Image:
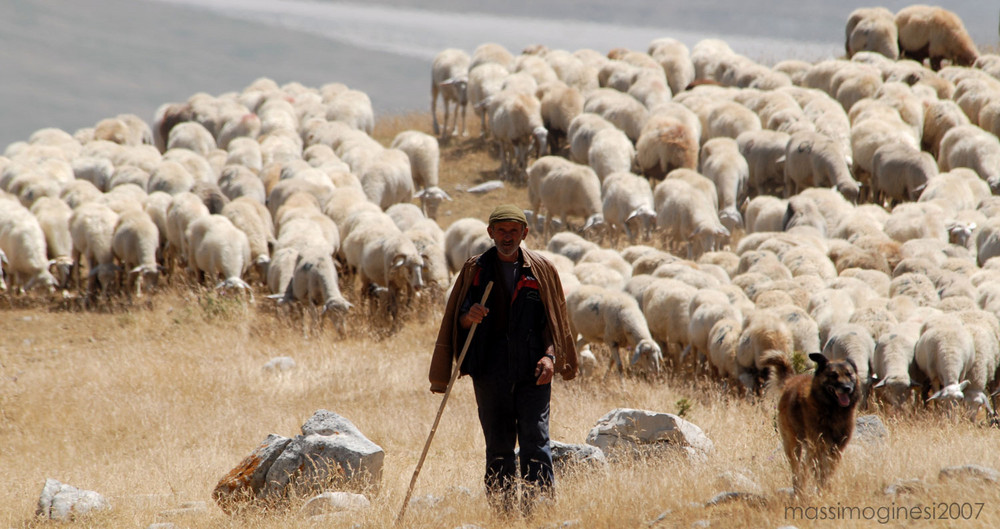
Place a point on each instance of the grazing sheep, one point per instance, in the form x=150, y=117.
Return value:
x=53, y=217
x=624, y=111
x=934, y=33
x=392, y=262
x=665, y=306
x=853, y=341
x=219, y=251
x=675, y=59
x=722, y=163
x=386, y=179
x=463, y=239
x=814, y=160
x=560, y=105
x=900, y=173
x=943, y=354
x=940, y=116
x=184, y=209
x=614, y=318
x=969, y=146
x=666, y=143
x=765, y=338
x=985, y=330
x=424, y=155
x=708, y=307
x=253, y=219
x=570, y=190
x=314, y=281
x=893, y=362
x=135, y=243
x=450, y=78
x=92, y=226
x=872, y=29
x=687, y=216
x=764, y=152
x=610, y=151
x=570, y=245
x=354, y=108
x=582, y=130
x=485, y=80
x=517, y=126
x=22, y=248
x=627, y=205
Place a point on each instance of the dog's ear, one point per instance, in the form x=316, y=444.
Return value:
x=820, y=360
x=853, y=365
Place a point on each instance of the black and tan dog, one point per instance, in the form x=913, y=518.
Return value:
x=815, y=414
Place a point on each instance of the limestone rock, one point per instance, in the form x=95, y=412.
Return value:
x=64, y=503
x=245, y=483
x=906, y=486
x=331, y=450
x=630, y=431
x=331, y=502
x=486, y=187
x=870, y=430
x=970, y=473
x=748, y=498
x=733, y=480
x=565, y=455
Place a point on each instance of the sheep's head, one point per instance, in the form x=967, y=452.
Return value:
x=541, y=138
x=645, y=218
x=895, y=391
x=457, y=89
x=595, y=227
x=41, y=279
x=731, y=219
x=851, y=189
x=709, y=238
x=61, y=268
x=960, y=233
x=950, y=394
x=409, y=267
x=430, y=199
x=647, y=357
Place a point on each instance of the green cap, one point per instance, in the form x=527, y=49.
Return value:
x=506, y=213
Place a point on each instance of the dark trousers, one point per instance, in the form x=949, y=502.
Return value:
x=508, y=414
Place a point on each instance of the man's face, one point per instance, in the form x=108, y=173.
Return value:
x=507, y=236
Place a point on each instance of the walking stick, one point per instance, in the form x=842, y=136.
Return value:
x=454, y=376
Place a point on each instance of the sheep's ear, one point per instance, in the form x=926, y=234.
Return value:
x=936, y=395
x=881, y=384
x=820, y=360
x=963, y=385
x=781, y=159
x=398, y=261
x=972, y=225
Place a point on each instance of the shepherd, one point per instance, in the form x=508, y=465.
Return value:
x=524, y=338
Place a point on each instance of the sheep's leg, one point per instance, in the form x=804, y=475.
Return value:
x=462, y=107
x=446, y=130
x=434, y=116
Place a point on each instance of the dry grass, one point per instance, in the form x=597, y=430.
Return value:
x=151, y=404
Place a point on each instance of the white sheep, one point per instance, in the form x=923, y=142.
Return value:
x=765, y=338
x=570, y=190
x=424, y=155
x=985, y=330
x=354, y=108
x=665, y=305
x=764, y=152
x=184, y=209
x=450, y=78
x=610, y=151
x=969, y=146
x=386, y=179
x=22, y=247
x=627, y=205
x=581, y=132
x=393, y=263
x=900, y=172
x=219, y=251
x=570, y=245
x=814, y=160
x=517, y=126
x=666, y=143
x=560, y=105
x=624, y=111
x=314, y=281
x=675, y=59
x=707, y=307
x=135, y=243
x=92, y=226
x=53, y=217
x=253, y=219
x=943, y=353
x=872, y=29
x=614, y=318
x=687, y=217
x=723, y=164
x=238, y=181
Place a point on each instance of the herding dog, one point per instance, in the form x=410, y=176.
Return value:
x=815, y=414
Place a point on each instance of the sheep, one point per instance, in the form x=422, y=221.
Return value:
x=570, y=245
x=135, y=242
x=722, y=163
x=219, y=251
x=934, y=33
x=943, y=354
x=813, y=160
x=560, y=105
x=708, y=307
x=610, y=151
x=985, y=330
x=53, y=217
x=764, y=337
x=354, y=108
x=665, y=305
x=184, y=209
x=429, y=241
x=313, y=280
x=516, y=125
x=627, y=205
x=872, y=29
x=571, y=190
x=450, y=78
x=622, y=110
x=582, y=130
x=424, y=155
x=609, y=259
x=686, y=215
x=253, y=219
x=900, y=172
x=92, y=228
x=463, y=239
x=765, y=213
x=723, y=342
x=729, y=119
x=893, y=362
x=386, y=180
x=22, y=248
x=666, y=143
x=614, y=318
x=764, y=152
x=969, y=146
x=193, y=136
x=675, y=59
x=393, y=263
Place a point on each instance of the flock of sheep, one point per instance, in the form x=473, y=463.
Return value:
x=844, y=206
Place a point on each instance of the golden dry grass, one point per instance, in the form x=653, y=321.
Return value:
x=150, y=404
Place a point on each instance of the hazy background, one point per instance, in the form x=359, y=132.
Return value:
x=68, y=64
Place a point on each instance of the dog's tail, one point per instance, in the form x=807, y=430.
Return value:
x=779, y=365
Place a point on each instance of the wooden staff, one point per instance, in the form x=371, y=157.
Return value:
x=444, y=401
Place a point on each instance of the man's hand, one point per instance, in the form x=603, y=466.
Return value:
x=475, y=315
x=544, y=370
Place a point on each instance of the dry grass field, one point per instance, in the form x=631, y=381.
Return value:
x=151, y=403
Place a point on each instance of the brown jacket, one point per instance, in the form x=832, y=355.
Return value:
x=447, y=348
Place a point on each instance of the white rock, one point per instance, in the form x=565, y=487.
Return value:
x=64, y=503
x=625, y=430
x=331, y=502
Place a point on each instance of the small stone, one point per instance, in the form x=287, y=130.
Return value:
x=63, y=503
x=870, y=430
x=630, y=431
x=663, y=516
x=332, y=502
x=748, y=498
x=191, y=508
x=736, y=481
x=279, y=364
x=906, y=486
x=701, y=523
x=486, y=187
